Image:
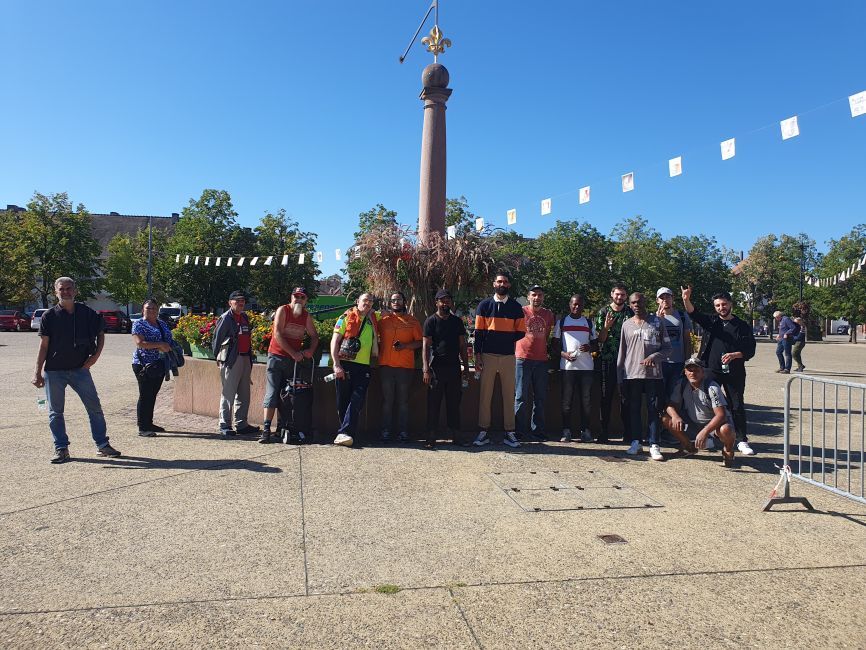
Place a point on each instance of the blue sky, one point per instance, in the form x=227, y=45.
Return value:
x=137, y=107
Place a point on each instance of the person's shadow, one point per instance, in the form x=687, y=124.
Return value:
x=187, y=464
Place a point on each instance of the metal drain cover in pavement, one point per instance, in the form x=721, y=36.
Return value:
x=613, y=539
x=545, y=491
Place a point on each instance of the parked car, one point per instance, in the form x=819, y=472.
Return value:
x=136, y=316
x=115, y=321
x=36, y=319
x=14, y=321
x=842, y=329
x=170, y=314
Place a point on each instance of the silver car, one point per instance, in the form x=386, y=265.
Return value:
x=37, y=319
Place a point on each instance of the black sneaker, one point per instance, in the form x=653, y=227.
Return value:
x=265, y=438
x=227, y=433
x=248, y=430
x=157, y=428
x=60, y=456
x=144, y=433
x=108, y=451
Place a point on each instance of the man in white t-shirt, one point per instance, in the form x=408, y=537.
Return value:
x=575, y=339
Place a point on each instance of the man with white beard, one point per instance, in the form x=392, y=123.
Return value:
x=291, y=322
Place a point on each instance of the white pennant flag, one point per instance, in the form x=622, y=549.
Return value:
x=479, y=223
x=177, y=259
x=301, y=258
x=254, y=261
x=546, y=206
x=268, y=260
x=207, y=261
x=196, y=260
x=790, y=128
x=675, y=166
x=229, y=261
x=857, y=103
x=241, y=261
x=186, y=260
x=451, y=232
x=729, y=149
x=285, y=260
x=338, y=254
x=628, y=182
x=511, y=216
x=584, y=195
x=863, y=261
x=218, y=261
x=320, y=257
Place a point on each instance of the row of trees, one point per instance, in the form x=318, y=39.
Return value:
x=50, y=238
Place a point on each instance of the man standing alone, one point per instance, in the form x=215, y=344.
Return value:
x=725, y=347
x=531, y=369
x=499, y=324
x=788, y=331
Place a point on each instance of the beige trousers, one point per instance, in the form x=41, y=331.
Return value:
x=504, y=365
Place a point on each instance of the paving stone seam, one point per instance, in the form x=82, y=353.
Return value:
x=463, y=616
x=116, y=488
x=303, y=521
x=449, y=587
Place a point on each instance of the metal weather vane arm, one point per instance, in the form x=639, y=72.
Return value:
x=434, y=43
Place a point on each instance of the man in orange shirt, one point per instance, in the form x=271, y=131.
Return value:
x=400, y=335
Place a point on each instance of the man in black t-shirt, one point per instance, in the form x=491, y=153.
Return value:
x=726, y=345
x=71, y=342
x=444, y=347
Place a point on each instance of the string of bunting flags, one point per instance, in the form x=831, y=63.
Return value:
x=259, y=260
x=839, y=277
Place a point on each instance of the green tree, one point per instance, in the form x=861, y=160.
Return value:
x=845, y=299
x=640, y=257
x=458, y=214
x=60, y=241
x=16, y=271
x=207, y=228
x=125, y=278
x=356, y=267
x=277, y=233
x=700, y=262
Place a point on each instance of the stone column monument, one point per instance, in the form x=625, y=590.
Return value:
x=431, y=201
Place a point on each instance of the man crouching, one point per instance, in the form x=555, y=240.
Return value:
x=697, y=403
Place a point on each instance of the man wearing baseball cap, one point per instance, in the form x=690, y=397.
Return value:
x=291, y=323
x=698, y=406
x=679, y=327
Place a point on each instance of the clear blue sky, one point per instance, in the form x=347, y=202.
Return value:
x=137, y=107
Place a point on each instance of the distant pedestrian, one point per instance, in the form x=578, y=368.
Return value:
x=71, y=340
x=679, y=327
x=608, y=324
x=286, y=358
x=787, y=331
x=643, y=347
x=152, y=339
x=799, y=344
x=232, y=348
x=444, y=351
x=499, y=324
x=531, y=367
x=726, y=345
x=399, y=335
x=576, y=340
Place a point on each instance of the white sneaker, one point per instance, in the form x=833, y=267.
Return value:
x=481, y=439
x=586, y=436
x=634, y=449
x=710, y=443
x=566, y=435
x=344, y=440
x=511, y=440
x=745, y=449
x=656, y=453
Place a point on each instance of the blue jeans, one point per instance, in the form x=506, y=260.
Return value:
x=529, y=373
x=783, y=353
x=81, y=382
x=351, y=394
x=634, y=390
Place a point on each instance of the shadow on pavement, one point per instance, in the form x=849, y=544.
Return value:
x=141, y=462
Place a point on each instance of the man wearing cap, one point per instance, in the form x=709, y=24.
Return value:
x=679, y=327
x=788, y=330
x=291, y=323
x=697, y=407
x=726, y=345
x=443, y=353
x=530, y=375
x=400, y=335
x=233, y=351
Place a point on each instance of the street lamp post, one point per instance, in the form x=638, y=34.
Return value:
x=149, y=256
x=802, y=267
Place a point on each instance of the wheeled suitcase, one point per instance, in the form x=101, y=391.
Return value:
x=296, y=408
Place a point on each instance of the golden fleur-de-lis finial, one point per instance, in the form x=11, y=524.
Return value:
x=435, y=43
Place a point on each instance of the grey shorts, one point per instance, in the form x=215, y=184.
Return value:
x=280, y=370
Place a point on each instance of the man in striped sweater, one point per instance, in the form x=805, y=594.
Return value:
x=499, y=324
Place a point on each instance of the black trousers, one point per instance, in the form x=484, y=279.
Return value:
x=734, y=384
x=449, y=384
x=148, y=389
x=573, y=381
x=608, y=390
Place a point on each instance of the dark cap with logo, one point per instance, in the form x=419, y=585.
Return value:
x=536, y=287
x=443, y=293
x=237, y=294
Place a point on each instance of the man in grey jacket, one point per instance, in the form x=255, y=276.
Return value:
x=233, y=351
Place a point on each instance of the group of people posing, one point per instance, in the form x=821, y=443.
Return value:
x=638, y=356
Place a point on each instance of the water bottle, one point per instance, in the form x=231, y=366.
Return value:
x=465, y=384
x=329, y=378
x=41, y=404
x=726, y=368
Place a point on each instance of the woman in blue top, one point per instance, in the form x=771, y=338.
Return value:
x=151, y=337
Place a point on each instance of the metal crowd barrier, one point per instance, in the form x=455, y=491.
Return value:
x=825, y=438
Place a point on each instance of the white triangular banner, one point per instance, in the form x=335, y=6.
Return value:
x=511, y=216
x=729, y=148
x=675, y=166
x=857, y=103
x=451, y=232
x=479, y=223
x=790, y=128
x=546, y=206
x=584, y=195
x=628, y=182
